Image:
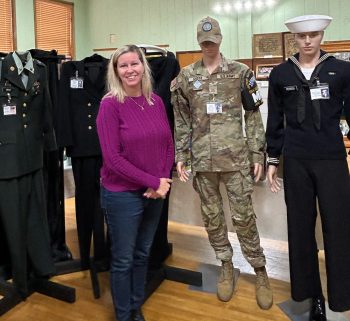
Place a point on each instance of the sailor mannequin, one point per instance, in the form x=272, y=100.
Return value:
x=307, y=94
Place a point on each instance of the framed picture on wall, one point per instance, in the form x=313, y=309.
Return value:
x=262, y=71
x=339, y=49
x=342, y=55
x=267, y=45
x=289, y=45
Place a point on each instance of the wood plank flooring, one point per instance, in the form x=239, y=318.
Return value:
x=171, y=301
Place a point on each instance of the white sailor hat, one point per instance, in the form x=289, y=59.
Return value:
x=308, y=23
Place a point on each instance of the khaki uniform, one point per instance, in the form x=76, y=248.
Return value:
x=215, y=146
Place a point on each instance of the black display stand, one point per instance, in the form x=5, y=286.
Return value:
x=55, y=290
x=156, y=276
x=171, y=273
x=72, y=266
x=161, y=249
x=183, y=275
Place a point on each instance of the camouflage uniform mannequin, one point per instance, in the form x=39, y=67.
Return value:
x=208, y=133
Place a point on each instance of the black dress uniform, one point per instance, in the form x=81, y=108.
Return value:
x=306, y=131
x=164, y=69
x=25, y=130
x=53, y=164
x=82, y=85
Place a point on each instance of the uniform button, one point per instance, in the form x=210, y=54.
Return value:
x=25, y=125
x=24, y=105
x=90, y=127
x=89, y=116
x=25, y=94
x=89, y=104
x=24, y=115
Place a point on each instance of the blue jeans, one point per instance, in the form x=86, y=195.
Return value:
x=132, y=221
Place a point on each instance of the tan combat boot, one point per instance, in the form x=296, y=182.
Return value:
x=226, y=281
x=262, y=289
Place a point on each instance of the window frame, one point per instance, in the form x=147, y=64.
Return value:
x=13, y=22
x=67, y=3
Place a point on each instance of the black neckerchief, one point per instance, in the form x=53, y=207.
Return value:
x=305, y=86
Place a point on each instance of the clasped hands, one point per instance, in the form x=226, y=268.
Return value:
x=162, y=190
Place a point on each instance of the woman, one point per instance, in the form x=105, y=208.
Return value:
x=137, y=150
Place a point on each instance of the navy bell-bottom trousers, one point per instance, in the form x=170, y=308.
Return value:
x=327, y=182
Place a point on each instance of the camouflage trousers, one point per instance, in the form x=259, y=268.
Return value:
x=239, y=187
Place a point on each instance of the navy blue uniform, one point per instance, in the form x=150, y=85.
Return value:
x=307, y=133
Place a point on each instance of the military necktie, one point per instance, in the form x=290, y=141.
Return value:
x=24, y=77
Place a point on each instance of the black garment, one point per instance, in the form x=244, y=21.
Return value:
x=51, y=60
x=5, y=256
x=78, y=109
x=315, y=171
x=89, y=215
x=329, y=181
x=305, y=140
x=161, y=249
x=53, y=164
x=164, y=70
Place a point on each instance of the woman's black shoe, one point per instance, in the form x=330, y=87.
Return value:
x=318, y=310
x=137, y=315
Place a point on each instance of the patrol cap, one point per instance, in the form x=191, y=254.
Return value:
x=308, y=23
x=208, y=29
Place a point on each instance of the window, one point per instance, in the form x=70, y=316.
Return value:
x=6, y=26
x=54, y=26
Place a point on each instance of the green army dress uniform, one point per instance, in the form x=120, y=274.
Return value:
x=25, y=130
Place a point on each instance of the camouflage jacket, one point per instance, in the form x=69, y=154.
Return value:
x=216, y=142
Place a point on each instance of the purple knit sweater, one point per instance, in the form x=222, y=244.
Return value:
x=137, y=146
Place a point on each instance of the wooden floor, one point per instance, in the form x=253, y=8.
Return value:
x=172, y=301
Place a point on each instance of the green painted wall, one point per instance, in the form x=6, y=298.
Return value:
x=173, y=22
x=25, y=26
x=81, y=28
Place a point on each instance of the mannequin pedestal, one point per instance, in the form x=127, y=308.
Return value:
x=94, y=267
x=55, y=290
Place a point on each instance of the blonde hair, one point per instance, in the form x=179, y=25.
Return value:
x=114, y=83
